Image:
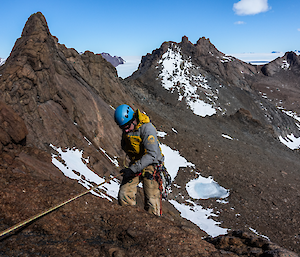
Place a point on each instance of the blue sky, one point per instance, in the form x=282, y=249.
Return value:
x=135, y=28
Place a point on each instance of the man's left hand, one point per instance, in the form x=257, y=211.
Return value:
x=127, y=173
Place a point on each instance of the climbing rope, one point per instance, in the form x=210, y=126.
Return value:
x=23, y=223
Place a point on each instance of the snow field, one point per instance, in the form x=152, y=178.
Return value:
x=201, y=217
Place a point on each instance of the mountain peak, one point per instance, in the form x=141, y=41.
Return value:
x=35, y=24
x=185, y=39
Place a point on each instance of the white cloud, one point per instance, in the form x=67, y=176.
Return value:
x=250, y=7
x=239, y=22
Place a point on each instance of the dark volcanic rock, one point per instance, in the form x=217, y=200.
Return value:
x=246, y=117
x=12, y=127
x=290, y=61
x=247, y=244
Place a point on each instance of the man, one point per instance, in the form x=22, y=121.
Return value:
x=139, y=141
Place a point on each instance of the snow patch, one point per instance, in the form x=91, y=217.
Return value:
x=174, y=130
x=174, y=161
x=2, y=61
x=285, y=65
x=179, y=74
x=226, y=58
x=200, y=216
x=89, y=142
x=292, y=114
x=255, y=232
x=226, y=136
x=200, y=188
x=290, y=141
x=161, y=134
x=201, y=108
x=222, y=201
x=73, y=165
x=112, y=160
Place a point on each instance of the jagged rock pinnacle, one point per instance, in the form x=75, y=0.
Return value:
x=35, y=24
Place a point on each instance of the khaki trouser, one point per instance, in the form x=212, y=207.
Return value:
x=128, y=190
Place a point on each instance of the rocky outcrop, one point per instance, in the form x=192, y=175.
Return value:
x=54, y=90
x=290, y=61
x=12, y=127
x=247, y=244
x=231, y=70
x=240, y=85
x=205, y=55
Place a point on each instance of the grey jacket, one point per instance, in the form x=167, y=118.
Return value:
x=149, y=151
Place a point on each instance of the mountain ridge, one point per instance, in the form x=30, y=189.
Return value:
x=256, y=132
x=229, y=70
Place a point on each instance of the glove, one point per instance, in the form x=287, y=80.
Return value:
x=127, y=173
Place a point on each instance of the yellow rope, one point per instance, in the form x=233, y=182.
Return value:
x=49, y=210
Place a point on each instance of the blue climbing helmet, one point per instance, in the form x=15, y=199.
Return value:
x=123, y=114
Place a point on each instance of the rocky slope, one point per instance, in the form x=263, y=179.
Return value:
x=53, y=98
x=261, y=172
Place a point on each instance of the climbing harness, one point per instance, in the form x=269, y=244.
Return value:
x=163, y=178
